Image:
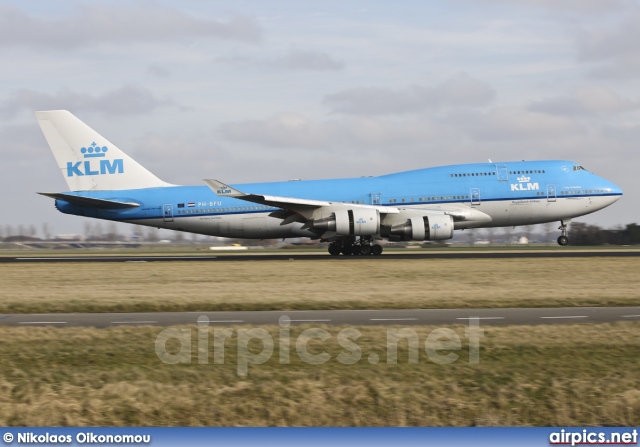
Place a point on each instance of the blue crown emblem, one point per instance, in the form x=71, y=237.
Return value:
x=94, y=151
x=361, y=221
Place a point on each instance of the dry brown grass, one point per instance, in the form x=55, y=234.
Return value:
x=321, y=284
x=542, y=375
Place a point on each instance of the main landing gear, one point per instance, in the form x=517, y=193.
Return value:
x=563, y=239
x=353, y=247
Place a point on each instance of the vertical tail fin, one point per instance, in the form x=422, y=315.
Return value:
x=88, y=161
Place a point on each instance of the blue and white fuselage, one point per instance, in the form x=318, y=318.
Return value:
x=422, y=204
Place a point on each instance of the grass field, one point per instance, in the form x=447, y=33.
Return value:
x=321, y=284
x=543, y=375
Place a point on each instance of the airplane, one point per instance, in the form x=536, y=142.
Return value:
x=351, y=214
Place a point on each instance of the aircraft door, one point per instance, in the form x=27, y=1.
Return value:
x=167, y=213
x=551, y=193
x=502, y=173
x=376, y=198
x=475, y=196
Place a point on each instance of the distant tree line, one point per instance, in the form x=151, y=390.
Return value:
x=584, y=234
x=579, y=234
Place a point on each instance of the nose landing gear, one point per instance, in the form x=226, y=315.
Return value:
x=563, y=239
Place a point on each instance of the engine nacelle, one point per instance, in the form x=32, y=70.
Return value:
x=356, y=222
x=425, y=228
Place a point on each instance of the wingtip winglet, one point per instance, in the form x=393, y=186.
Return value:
x=222, y=189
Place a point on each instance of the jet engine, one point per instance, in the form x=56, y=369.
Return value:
x=356, y=222
x=434, y=227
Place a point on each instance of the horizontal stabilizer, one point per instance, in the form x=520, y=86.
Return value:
x=90, y=201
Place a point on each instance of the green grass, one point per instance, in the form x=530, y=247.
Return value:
x=544, y=376
x=318, y=284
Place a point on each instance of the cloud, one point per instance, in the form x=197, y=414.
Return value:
x=301, y=60
x=518, y=124
x=457, y=91
x=308, y=60
x=284, y=129
x=293, y=130
x=501, y=124
x=158, y=71
x=121, y=101
x=574, y=6
x=629, y=133
x=95, y=23
x=616, y=48
x=590, y=100
x=24, y=143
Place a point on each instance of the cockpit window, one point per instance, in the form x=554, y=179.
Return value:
x=579, y=168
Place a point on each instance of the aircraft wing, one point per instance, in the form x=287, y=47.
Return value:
x=336, y=219
x=90, y=201
x=288, y=203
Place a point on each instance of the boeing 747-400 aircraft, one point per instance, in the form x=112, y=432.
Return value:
x=351, y=214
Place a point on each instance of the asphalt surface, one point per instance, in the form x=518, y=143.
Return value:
x=317, y=256
x=404, y=317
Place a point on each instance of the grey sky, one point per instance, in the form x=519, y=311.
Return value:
x=460, y=90
x=93, y=23
x=262, y=91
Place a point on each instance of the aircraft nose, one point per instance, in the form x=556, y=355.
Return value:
x=615, y=192
x=615, y=189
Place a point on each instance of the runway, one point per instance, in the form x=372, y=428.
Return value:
x=297, y=256
x=403, y=317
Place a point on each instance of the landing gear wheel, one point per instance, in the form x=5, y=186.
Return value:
x=563, y=239
x=334, y=249
x=365, y=250
x=347, y=250
x=376, y=249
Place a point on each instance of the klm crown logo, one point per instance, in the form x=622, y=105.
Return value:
x=94, y=151
x=361, y=221
x=524, y=184
x=99, y=167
